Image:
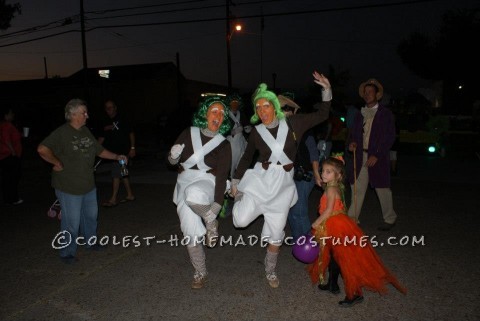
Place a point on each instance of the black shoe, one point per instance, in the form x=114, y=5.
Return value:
x=69, y=259
x=386, y=227
x=346, y=303
x=333, y=288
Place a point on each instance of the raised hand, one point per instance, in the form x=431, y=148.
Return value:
x=321, y=80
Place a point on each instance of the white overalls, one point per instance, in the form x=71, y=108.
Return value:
x=195, y=186
x=238, y=143
x=269, y=192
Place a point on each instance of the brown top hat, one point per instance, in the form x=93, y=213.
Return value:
x=285, y=101
x=374, y=82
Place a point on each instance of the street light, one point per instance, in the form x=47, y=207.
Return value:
x=228, y=37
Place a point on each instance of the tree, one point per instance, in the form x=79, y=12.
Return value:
x=453, y=53
x=451, y=57
x=7, y=13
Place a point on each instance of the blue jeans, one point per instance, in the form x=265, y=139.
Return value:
x=298, y=216
x=79, y=217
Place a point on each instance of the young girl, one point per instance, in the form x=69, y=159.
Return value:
x=343, y=246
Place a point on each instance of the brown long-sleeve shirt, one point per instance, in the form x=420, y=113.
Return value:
x=300, y=123
x=218, y=159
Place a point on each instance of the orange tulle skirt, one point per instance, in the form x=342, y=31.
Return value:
x=360, y=266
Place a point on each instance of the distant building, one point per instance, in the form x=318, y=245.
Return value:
x=147, y=93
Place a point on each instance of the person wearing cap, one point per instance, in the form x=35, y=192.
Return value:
x=268, y=188
x=307, y=169
x=240, y=126
x=372, y=136
x=202, y=156
x=240, y=129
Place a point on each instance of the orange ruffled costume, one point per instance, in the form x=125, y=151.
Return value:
x=359, y=264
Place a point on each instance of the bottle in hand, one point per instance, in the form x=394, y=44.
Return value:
x=123, y=168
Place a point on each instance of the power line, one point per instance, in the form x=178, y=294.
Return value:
x=143, y=7
x=278, y=14
x=64, y=21
x=240, y=17
x=179, y=10
x=39, y=38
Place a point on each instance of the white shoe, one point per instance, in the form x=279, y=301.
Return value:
x=212, y=234
x=199, y=280
x=273, y=280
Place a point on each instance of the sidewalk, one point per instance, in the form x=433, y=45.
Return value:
x=434, y=198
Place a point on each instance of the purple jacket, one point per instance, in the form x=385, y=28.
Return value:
x=381, y=140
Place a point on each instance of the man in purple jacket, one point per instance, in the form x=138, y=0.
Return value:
x=372, y=136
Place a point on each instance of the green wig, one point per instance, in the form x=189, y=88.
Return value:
x=234, y=97
x=200, y=117
x=262, y=92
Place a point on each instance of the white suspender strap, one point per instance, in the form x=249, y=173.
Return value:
x=199, y=151
x=276, y=145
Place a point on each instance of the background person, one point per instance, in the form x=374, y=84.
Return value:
x=240, y=129
x=372, y=136
x=306, y=163
x=118, y=136
x=71, y=149
x=10, y=157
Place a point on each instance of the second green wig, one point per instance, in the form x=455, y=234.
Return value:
x=262, y=92
x=200, y=117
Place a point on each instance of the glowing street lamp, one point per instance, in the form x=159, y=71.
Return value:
x=238, y=28
x=229, y=34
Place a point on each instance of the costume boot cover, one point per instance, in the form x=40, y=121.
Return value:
x=270, y=262
x=207, y=212
x=197, y=257
x=270, y=265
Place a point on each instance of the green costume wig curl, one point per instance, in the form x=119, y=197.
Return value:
x=234, y=97
x=200, y=117
x=262, y=92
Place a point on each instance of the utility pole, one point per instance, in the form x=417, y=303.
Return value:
x=45, y=66
x=262, y=26
x=179, y=84
x=229, y=58
x=84, y=48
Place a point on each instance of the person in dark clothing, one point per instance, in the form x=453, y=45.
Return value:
x=10, y=157
x=307, y=170
x=118, y=137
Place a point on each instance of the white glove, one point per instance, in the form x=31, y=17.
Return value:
x=247, y=129
x=176, y=151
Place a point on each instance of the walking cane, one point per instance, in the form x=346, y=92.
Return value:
x=355, y=184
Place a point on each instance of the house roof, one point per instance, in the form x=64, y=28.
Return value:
x=129, y=72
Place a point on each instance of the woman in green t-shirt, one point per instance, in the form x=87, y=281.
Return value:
x=71, y=149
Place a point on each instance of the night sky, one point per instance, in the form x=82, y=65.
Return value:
x=360, y=36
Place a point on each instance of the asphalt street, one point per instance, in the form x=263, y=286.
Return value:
x=145, y=274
